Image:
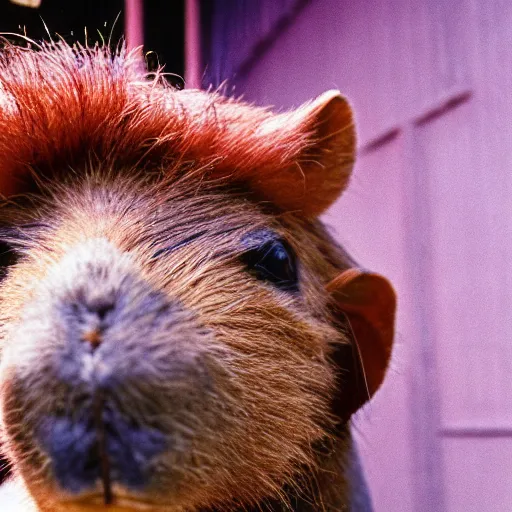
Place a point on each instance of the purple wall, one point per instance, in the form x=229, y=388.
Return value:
x=237, y=31
x=430, y=206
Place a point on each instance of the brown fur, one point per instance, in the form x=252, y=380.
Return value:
x=254, y=384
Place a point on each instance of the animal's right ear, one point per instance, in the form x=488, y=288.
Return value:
x=319, y=172
x=300, y=160
x=366, y=304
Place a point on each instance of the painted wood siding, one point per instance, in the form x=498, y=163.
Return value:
x=237, y=31
x=430, y=206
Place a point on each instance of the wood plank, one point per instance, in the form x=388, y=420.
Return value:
x=481, y=479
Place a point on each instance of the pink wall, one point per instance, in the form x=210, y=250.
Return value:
x=192, y=44
x=430, y=206
x=134, y=23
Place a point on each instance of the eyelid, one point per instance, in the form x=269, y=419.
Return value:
x=259, y=238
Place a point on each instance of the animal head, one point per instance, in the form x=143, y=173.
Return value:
x=178, y=331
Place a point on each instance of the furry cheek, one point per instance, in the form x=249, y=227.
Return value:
x=183, y=387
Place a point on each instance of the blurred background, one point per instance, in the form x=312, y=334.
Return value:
x=430, y=204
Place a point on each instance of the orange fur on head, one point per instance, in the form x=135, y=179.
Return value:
x=299, y=160
x=179, y=333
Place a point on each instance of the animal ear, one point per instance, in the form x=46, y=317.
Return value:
x=367, y=303
x=314, y=178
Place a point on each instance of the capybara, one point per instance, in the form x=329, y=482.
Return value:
x=179, y=332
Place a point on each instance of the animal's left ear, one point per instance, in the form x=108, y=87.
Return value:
x=367, y=302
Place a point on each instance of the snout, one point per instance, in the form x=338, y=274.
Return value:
x=114, y=379
x=97, y=444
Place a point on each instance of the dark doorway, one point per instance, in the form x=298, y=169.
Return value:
x=164, y=34
x=103, y=21
x=69, y=20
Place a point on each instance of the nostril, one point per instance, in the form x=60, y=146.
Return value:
x=101, y=309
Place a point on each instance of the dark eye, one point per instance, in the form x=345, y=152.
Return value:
x=273, y=261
